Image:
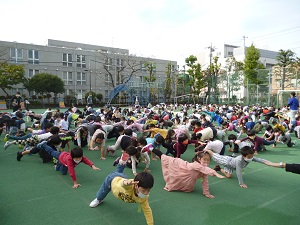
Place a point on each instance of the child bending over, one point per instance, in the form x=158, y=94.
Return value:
x=67, y=161
x=237, y=163
x=128, y=190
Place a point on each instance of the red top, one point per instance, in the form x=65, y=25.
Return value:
x=65, y=159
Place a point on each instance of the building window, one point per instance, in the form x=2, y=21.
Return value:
x=119, y=63
x=33, y=57
x=16, y=54
x=81, y=79
x=31, y=73
x=107, y=78
x=106, y=93
x=67, y=59
x=143, y=67
x=108, y=63
x=230, y=53
x=68, y=78
x=81, y=61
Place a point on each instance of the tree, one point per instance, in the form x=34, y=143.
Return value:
x=10, y=74
x=234, y=75
x=285, y=59
x=151, y=68
x=251, y=67
x=44, y=83
x=99, y=96
x=197, y=81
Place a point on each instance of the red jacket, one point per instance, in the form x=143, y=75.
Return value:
x=65, y=159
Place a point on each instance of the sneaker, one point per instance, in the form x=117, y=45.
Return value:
x=112, y=152
x=7, y=144
x=116, y=161
x=19, y=156
x=95, y=203
x=294, y=142
x=217, y=168
x=40, y=145
x=6, y=138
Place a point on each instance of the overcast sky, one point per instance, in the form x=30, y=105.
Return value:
x=164, y=29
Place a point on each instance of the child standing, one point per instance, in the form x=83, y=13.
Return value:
x=128, y=190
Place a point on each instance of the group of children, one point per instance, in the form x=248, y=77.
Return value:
x=143, y=132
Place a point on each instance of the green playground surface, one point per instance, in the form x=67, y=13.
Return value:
x=33, y=193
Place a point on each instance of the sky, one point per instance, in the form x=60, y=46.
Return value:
x=162, y=29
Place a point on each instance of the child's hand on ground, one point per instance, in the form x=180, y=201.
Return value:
x=154, y=159
x=102, y=158
x=209, y=196
x=95, y=168
x=243, y=186
x=76, y=185
x=219, y=176
x=146, y=170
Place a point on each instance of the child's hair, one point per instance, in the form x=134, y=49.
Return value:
x=120, y=128
x=131, y=150
x=146, y=180
x=199, y=155
x=55, y=139
x=269, y=128
x=48, y=126
x=151, y=125
x=70, y=134
x=19, y=115
x=142, y=141
x=246, y=150
x=232, y=137
x=199, y=147
x=76, y=153
x=100, y=136
x=54, y=130
x=251, y=133
x=182, y=137
x=159, y=139
x=198, y=124
x=276, y=130
x=198, y=136
x=82, y=130
x=128, y=132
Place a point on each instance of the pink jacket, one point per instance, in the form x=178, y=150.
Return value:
x=181, y=175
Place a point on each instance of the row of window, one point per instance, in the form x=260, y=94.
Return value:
x=16, y=55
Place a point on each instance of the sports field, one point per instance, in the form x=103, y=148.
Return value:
x=33, y=193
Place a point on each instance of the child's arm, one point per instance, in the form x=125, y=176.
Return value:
x=133, y=164
x=147, y=158
x=240, y=175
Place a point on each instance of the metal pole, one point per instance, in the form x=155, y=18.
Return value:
x=269, y=88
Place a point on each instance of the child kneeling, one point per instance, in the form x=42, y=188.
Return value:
x=127, y=190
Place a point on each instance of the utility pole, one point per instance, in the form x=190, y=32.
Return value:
x=244, y=37
x=211, y=50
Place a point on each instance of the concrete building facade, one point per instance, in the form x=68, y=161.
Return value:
x=82, y=67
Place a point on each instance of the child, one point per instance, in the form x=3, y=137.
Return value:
x=128, y=190
x=284, y=138
x=67, y=161
x=269, y=133
x=180, y=175
x=82, y=137
x=232, y=138
x=257, y=141
x=237, y=163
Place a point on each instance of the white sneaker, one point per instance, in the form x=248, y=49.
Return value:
x=95, y=203
x=7, y=144
x=294, y=142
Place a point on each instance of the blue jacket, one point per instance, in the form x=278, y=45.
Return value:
x=293, y=103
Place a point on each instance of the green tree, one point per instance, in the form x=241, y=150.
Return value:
x=44, y=83
x=234, y=75
x=197, y=81
x=99, y=96
x=151, y=68
x=10, y=74
x=251, y=74
x=285, y=59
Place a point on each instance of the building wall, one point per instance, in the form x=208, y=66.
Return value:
x=92, y=74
